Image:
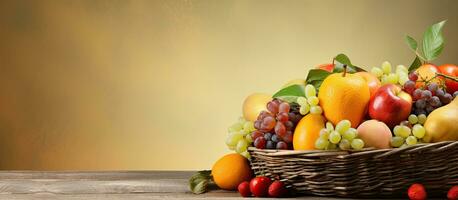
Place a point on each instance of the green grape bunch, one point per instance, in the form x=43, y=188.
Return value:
x=341, y=137
x=309, y=103
x=239, y=138
x=385, y=75
x=409, y=132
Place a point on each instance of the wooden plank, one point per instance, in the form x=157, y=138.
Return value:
x=211, y=195
x=57, y=186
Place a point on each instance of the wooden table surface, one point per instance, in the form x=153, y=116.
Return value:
x=105, y=185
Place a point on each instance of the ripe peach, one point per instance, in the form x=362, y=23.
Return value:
x=427, y=72
x=375, y=134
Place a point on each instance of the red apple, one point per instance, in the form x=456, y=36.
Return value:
x=450, y=70
x=427, y=72
x=328, y=67
x=390, y=105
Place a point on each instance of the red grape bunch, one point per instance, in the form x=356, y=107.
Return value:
x=428, y=98
x=275, y=127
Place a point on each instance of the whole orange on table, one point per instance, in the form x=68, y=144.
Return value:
x=230, y=170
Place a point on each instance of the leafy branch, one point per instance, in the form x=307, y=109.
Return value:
x=432, y=45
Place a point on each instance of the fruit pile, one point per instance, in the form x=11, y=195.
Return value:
x=340, y=106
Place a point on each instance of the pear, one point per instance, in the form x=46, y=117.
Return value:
x=442, y=123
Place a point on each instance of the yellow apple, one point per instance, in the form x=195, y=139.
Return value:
x=254, y=104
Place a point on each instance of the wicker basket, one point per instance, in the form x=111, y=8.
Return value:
x=368, y=173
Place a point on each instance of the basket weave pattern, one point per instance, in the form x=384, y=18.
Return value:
x=366, y=173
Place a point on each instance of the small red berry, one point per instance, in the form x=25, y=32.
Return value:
x=259, y=186
x=277, y=189
x=244, y=189
x=416, y=192
x=453, y=193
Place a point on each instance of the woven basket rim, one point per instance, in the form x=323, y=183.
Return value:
x=434, y=147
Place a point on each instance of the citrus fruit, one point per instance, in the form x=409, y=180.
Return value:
x=231, y=170
x=254, y=104
x=344, y=96
x=307, y=131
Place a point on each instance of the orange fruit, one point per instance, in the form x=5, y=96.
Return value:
x=372, y=81
x=230, y=170
x=254, y=104
x=307, y=132
x=344, y=97
x=427, y=72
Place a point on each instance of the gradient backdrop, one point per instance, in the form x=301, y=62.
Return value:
x=108, y=84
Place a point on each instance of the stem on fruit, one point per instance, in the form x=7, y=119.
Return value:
x=344, y=70
x=447, y=77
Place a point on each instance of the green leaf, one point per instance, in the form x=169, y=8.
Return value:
x=342, y=58
x=415, y=64
x=358, y=69
x=412, y=43
x=293, y=90
x=201, y=181
x=316, y=74
x=433, y=41
x=316, y=77
x=316, y=84
x=206, y=173
x=289, y=99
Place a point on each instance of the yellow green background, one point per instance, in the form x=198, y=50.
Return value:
x=108, y=84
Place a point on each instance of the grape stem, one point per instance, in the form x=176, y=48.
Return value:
x=427, y=81
x=447, y=77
